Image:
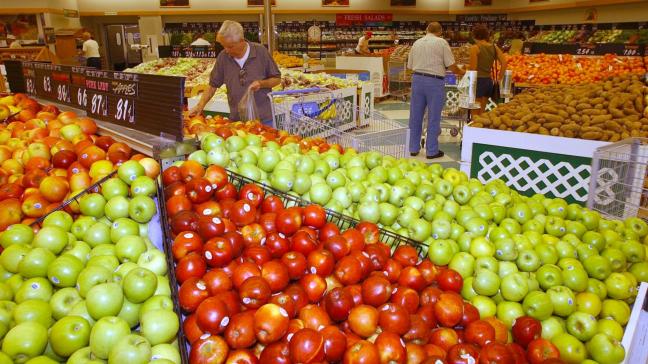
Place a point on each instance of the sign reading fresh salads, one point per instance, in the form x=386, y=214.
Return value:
x=148, y=103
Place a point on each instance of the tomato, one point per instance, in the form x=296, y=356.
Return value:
x=171, y=175
x=411, y=277
x=199, y=190
x=210, y=227
x=267, y=222
x=241, y=356
x=495, y=353
x=272, y=204
x=253, y=234
x=296, y=264
x=286, y=302
x=334, y=343
x=321, y=262
x=191, y=266
x=370, y=232
x=429, y=271
x=377, y=255
x=191, y=170
x=307, y=346
x=289, y=220
x=217, y=281
x=327, y=231
x=393, y=318
x=276, y=353
x=254, y=292
x=526, y=329
x=470, y=314
x=210, y=349
x=244, y=271
x=257, y=254
x=314, y=317
x=519, y=355
x=212, y=316
x=463, y=354
x=540, y=350
x=448, y=310
x=314, y=216
x=406, y=298
x=314, y=286
x=216, y=175
x=298, y=295
x=393, y=270
x=270, y=323
x=218, y=252
x=355, y=239
x=176, y=204
x=376, y=290
x=186, y=242
x=450, y=280
x=183, y=221
x=228, y=191
x=235, y=239
x=338, y=246
x=426, y=312
x=191, y=329
x=276, y=274
x=348, y=271
x=251, y=193
x=391, y=348
x=277, y=244
x=479, y=333
x=243, y=213
x=362, y=352
x=191, y=294
x=209, y=208
x=239, y=334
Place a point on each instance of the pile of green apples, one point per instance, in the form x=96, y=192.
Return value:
x=90, y=290
x=560, y=263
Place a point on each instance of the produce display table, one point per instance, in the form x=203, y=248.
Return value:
x=530, y=163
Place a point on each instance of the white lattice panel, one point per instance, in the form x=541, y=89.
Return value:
x=540, y=176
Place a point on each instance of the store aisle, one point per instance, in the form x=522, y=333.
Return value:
x=399, y=111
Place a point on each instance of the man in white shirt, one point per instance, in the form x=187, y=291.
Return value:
x=429, y=58
x=363, y=44
x=200, y=41
x=91, y=51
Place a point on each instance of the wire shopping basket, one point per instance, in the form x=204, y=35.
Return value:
x=322, y=113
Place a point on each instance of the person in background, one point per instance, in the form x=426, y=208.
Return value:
x=363, y=44
x=199, y=40
x=483, y=55
x=429, y=58
x=241, y=65
x=91, y=51
x=13, y=42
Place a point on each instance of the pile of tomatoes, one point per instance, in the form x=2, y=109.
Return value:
x=264, y=283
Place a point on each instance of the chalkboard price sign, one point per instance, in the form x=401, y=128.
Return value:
x=148, y=103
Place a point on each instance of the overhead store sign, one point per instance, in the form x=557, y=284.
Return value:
x=378, y=19
x=149, y=103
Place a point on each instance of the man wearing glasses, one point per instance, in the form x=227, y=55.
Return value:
x=241, y=66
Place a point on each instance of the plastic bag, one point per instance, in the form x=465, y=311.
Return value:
x=247, y=108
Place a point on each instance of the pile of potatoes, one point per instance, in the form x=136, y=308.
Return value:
x=610, y=110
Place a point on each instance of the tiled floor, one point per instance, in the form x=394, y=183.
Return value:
x=399, y=111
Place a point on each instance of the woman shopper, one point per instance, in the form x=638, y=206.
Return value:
x=483, y=55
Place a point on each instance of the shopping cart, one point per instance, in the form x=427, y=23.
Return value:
x=336, y=120
x=400, y=78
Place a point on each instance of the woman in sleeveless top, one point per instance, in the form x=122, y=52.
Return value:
x=482, y=57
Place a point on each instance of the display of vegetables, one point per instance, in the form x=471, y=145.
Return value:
x=609, y=111
x=544, y=69
x=196, y=70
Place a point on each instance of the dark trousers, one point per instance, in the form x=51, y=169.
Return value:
x=94, y=62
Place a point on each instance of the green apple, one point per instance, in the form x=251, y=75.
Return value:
x=52, y=238
x=640, y=271
x=520, y=212
x=69, y=334
x=616, y=258
x=59, y=218
x=506, y=249
x=485, y=306
x=597, y=287
x=97, y=234
x=597, y=267
x=388, y=213
x=575, y=278
x=619, y=286
x=166, y=351
x=34, y=288
x=105, y=334
x=610, y=327
x=139, y=285
x=605, y=349
x=24, y=341
x=538, y=305
x=35, y=263
x=549, y=275
x=463, y=263
x=130, y=349
x=467, y=292
x=489, y=263
x=159, y=326
x=506, y=268
x=104, y=299
x=129, y=248
x=619, y=311
x=19, y=234
x=508, y=312
x=510, y=225
x=122, y=227
x=634, y=251
x=582, y=325
x=486, y=283
x=91, y=276
x=595, y=239
x=563, y=300
x=420, y=230
x=12, y=256
x=141, y=208
x=369, y=211
x=116, y=207
x=109, y=262
x=572, y=351
x=114, y=187
x=514, y=287
x=589, y=303
x=153, y=260
x=528, y=261
x=441, y=252
x=481, y=247
x=551, y=327
x=63, y=300
x=547, y=253
x=33, y=310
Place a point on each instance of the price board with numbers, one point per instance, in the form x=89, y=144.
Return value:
x=599, y=49
x=149, y=103
x=177, y=51
x=586, y=50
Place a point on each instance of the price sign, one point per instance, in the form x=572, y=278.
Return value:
x=98, y=87
x=78, y=91
x=44, y=83
x=61, y=84
x=29, y=74
x=188, y=52
x=97, y=105
x=586, y=50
